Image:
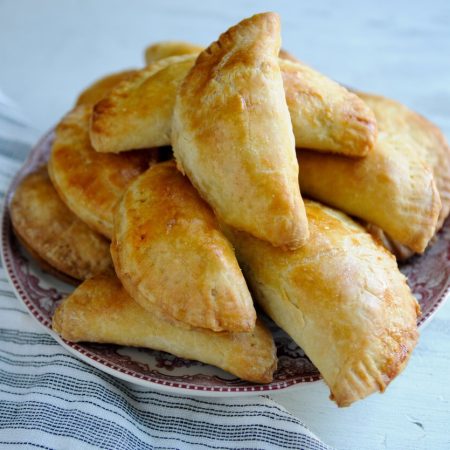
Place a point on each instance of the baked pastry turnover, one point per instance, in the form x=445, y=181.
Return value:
x=392, y=187
x=416, y=135
x=426, y=142
x=58, y=239
x=325, y=115
x=138, y=111
x=341, y=297
x=169, y=254
x=100, y=310
x=90, y=183
x=100, y=88
x=232, y=134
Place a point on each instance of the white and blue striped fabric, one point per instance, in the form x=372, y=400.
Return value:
x=51, y=400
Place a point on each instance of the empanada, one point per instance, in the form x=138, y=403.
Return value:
x=138, y=111
x=100, y=88
x=392, y=187
x=100, y=310
x=164, y=49
x=232, y=134
x=325, y=116
x=91, y=183
x=420, y=136
x=341, y=297
x=53, y=234
x=169, y=254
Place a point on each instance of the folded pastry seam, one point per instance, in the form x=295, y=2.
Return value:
x=100, y=310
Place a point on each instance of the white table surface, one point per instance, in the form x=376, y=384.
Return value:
x=51, y=49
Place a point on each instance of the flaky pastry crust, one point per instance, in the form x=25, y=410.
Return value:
x=101, y=310
x=341, y=297
x=100, y=88
x=325, y=115
x=419, y=136
x=170, y=254
x=138, y=111
x=392, y=188
x=232, y=134
x=50, y=231
x=91, y=183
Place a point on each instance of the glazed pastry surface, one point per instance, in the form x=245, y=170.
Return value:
x=138, y=111
x=416, y=134
x=341, y=297
x=91, y=183
x=100, y=88
x=392, y=187
x=53, y=234
x=232, y=134
x=100, y=310
x=325, y=115
x=170, y=254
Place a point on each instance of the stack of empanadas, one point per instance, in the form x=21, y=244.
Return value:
x=252, y=129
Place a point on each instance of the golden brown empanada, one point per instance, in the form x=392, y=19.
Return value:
x=138, y=111
x=392, y=187
x=169, y=253
x=423, y=138
x=341, y=297
x=164, y=49
x=232, y=134
x=53, y=234
x=91, y=183
x=325, y=115
x=428, y=144
x=100, y=88
x=100, y=310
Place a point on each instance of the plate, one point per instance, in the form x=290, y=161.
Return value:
x=428, y=276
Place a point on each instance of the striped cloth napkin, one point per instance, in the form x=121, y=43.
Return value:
x=51, y=400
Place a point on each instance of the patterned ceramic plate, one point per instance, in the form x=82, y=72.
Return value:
x=429, y=277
